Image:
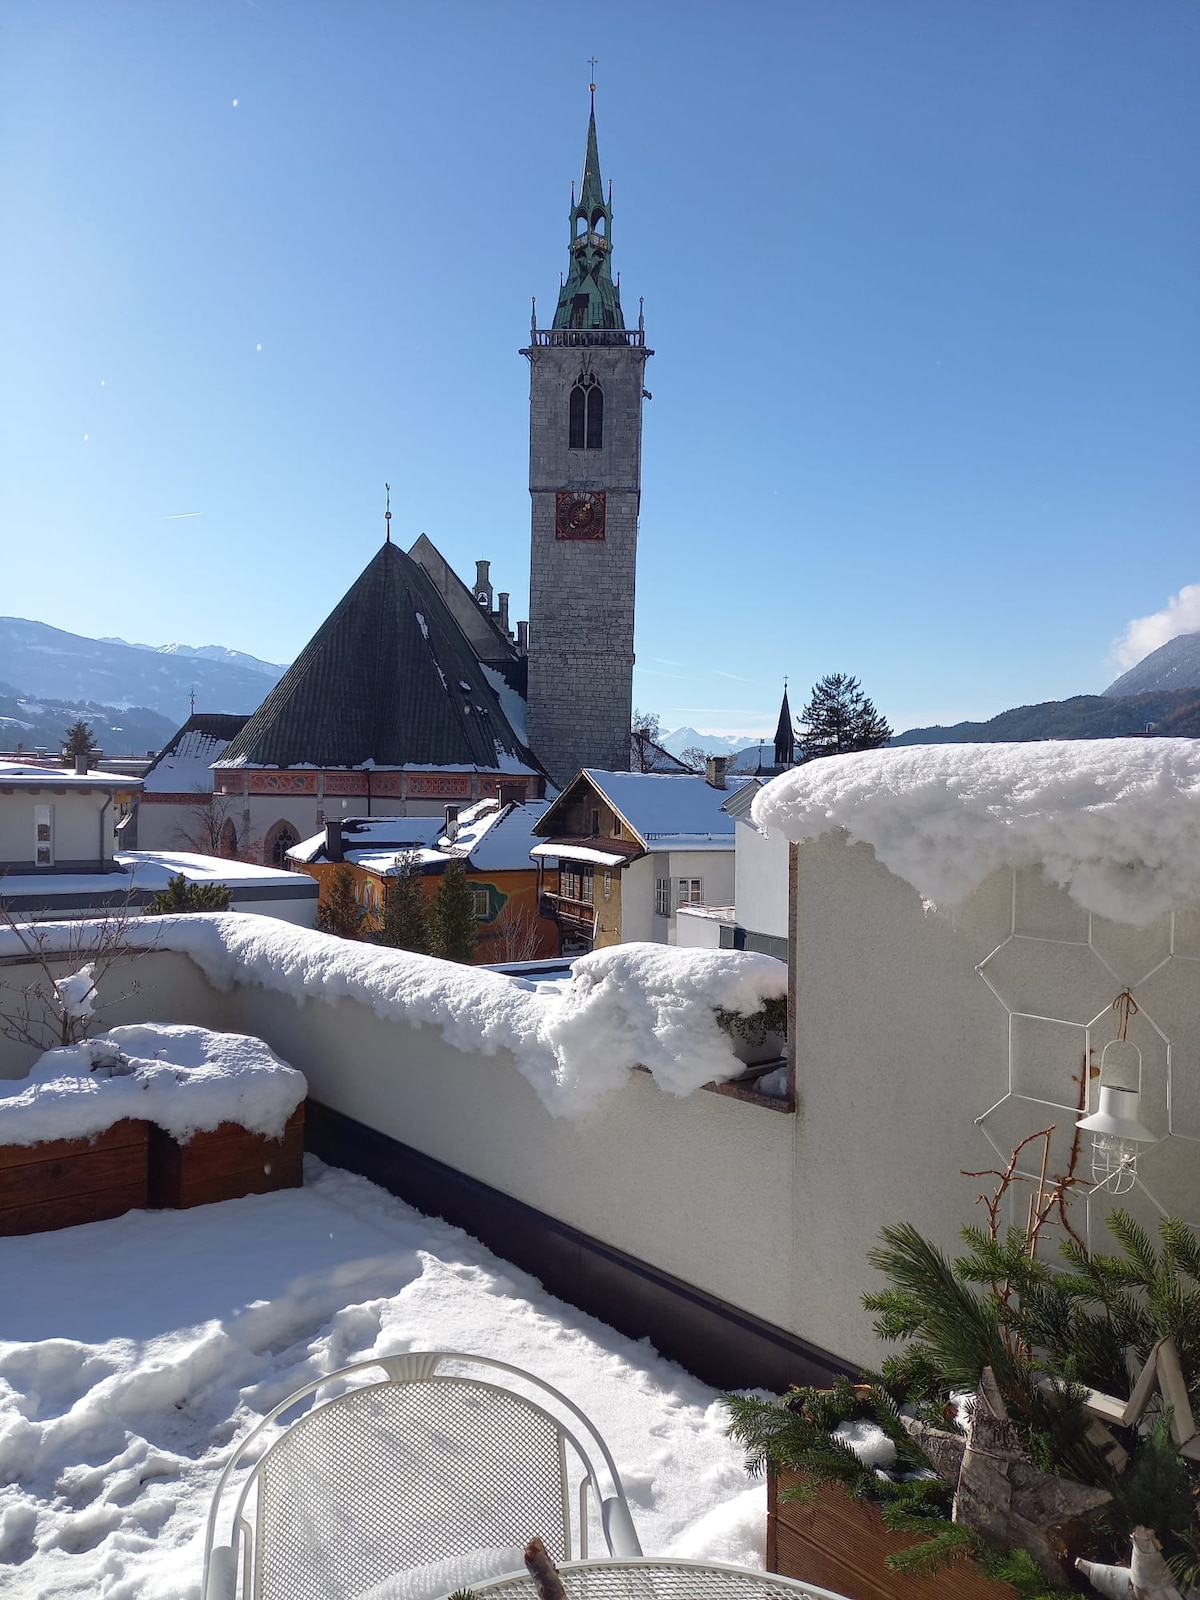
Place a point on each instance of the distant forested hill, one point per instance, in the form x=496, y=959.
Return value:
x=1173, y=713
x=39, y=725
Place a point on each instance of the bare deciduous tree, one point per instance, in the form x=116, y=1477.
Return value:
x=210, y=828
x=47, y=1010
x=516, y=933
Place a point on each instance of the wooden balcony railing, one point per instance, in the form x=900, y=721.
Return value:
x=580, y=913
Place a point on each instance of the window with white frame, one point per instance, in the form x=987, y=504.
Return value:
x=481, y=904
x=43, y=827
x=691, y=892
x=662, y=896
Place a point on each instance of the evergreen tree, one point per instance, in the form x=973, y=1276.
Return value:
x=339, y=912
x=838, y=718
x=78, y=741
x=180, y=895
x=405, y=914
x=451, y=919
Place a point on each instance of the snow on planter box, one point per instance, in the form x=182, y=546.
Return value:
x=146, y=1114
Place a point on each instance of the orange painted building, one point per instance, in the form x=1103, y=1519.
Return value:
x=492, y=841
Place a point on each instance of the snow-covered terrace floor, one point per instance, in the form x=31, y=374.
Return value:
x=135, y=1351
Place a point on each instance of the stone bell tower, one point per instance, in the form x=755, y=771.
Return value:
x=585, y=469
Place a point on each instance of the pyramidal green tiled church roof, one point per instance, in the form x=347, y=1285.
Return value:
x=388, y=680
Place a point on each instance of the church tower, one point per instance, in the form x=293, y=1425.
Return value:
x=585, y=466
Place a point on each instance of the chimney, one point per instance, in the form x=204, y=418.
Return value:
x=451, y=829
x=483, y=584
x=714, y=771
x=503, y=610
x=334, y=848
x=522, y=638
x=80, y=764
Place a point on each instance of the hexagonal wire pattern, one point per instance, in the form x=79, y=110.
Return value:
x=1086, y=1029
x=657, y=1579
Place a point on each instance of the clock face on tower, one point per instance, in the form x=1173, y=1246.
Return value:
x=579, y=514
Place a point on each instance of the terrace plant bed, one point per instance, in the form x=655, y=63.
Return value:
x=841, y=1543
x=223, y=1164
x=63, y=1182
x=149, y=1114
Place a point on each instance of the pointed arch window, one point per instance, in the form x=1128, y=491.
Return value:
x=587, y=414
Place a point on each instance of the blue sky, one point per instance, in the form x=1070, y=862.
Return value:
x=921, y=276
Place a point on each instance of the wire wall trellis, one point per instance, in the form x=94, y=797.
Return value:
x=1092, y=1037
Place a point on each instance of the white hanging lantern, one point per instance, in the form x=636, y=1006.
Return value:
x=1115, y=1126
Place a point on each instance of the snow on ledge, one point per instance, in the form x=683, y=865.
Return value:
x=1114, y=822
x=186, y=1080
x=633, y=1005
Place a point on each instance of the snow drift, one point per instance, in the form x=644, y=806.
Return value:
x=1114, y=822
x=635, y=1005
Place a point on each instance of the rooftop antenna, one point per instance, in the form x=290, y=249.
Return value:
x=387, y=515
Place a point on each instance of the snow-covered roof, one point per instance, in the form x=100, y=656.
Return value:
x=661, y=807
x=490, y=836
x=503, y=846
x=150, y=869
x=1115, y=822
x=31, y=775
x=578, y=852
x=140, y=874
x=184, y=765
x=397, y=834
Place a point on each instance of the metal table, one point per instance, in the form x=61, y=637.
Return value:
x=655, y=1578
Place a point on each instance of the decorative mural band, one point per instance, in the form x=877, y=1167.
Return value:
x=380, y=785
x=283, y=783
x=441, y=786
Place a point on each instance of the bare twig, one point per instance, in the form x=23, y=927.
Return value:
x=543, y=1571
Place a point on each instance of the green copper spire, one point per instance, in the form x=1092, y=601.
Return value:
x=589, y=297
x=591, y=190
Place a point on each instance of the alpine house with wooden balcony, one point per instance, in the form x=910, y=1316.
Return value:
x=622, y=851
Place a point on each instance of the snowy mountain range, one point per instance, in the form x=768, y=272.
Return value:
x=713, y=744
x=1174, y=665
x=45, y=663
x=207, y=652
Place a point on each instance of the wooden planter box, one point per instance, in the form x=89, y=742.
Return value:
x=224, y=1164
x=69, y=1181
x=841, y=1544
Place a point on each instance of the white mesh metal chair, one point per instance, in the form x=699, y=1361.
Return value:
x=444, y=1456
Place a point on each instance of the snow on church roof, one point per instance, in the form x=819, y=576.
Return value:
x=185, y=762
x=1114, y=822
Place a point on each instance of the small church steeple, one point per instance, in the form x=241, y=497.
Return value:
x=589, y=298
x=785, y=734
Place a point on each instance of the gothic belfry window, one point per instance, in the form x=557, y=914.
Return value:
x=586, y=414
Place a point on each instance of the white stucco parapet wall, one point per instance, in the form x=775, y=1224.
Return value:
x=633, y=1005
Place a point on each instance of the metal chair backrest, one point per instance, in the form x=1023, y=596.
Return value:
x=435, y=1461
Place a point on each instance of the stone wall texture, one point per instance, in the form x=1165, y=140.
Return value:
x=581, y=599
